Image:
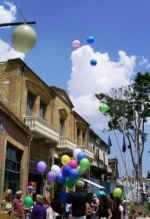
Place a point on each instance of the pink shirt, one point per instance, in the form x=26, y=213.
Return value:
x=18, y=207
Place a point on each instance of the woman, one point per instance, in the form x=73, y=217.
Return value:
x=6, y=205
x=89, y=209
x=39, y=210
x=51, y=214
x=104, y=209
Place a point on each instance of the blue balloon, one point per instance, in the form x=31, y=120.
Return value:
x=90, y=39
x=30, y=188
x=60, y=178
x=74, y=173
x=65, y=171
x=93, y=62
x=63, y=197
x=100, y=192
x=80, y=156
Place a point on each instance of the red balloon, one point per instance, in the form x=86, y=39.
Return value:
x=76, y=43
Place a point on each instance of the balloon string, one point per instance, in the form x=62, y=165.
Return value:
x=19, y=10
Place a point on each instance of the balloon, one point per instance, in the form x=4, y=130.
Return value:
x=63, y=197
x=65, y=159
x=30, y=188
x=60, y=178
x=41, y=166
x=28, y=201
x=80, y=156
x=93, y=62
x=66, y=170
x=73, y=164
x=74, y=173
x=69, y=182
x=24, y=38
x=76, y=43
x=55, y=169
x=100, y=192
x=51, y=176
x=76, y=151
x=90, y=39
x=84, y=164
x=117, y=192
x=104, y=108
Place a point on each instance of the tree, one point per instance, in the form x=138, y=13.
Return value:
x=129, y=108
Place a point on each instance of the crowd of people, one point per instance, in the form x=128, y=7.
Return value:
x=80, y=205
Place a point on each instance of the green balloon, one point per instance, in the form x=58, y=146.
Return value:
x=28, y=201
x=117, y=192
x=84, y=164
x=69, y=182
x=104, y=108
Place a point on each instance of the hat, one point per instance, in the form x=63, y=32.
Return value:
x=94, y=196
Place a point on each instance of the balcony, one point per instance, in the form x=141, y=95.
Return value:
x=42, y=129
x=88, y=151
x=66, y=144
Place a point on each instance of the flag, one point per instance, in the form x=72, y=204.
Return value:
x=124, y=145
x=109, y=145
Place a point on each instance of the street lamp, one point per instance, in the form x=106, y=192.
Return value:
x=24, y=36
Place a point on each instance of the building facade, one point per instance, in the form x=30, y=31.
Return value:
x=56, y=129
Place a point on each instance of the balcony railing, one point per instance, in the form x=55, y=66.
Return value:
x=42, y=129
x=66, y=143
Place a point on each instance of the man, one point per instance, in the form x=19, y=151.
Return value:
x=17, y=204
x=78, y=200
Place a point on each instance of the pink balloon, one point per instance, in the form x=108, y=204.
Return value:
x=73, y=163
x=76, y=43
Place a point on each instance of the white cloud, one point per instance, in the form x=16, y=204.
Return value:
x=7, y=52
x=7, y=14
x=86, y=80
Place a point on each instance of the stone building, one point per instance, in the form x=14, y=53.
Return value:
x=48, y=112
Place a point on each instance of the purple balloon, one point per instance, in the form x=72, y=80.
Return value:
x=41, y=166
x=74, y=173
x=51, y=176
x=80, y=156
x=65, y=171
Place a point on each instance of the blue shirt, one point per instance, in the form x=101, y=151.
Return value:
x=38, y=212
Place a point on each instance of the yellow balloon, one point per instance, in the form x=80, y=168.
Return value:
x=65, y=159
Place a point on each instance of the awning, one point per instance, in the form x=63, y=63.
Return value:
x=93, y=183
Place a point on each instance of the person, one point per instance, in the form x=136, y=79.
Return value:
x=78, y=199
x=57, y=206
x=6, y=205
x=39, y=210
x=104, y=208
x=89, y=209
x=119, y=210
x=17, y=204
x=95, y=202
x=51, y=214
x=67, y=209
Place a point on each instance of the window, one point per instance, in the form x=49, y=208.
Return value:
x=83, y=138
x=12, y=168
x=61, y=126
x=78, y=137
x=30, y=103
x=42, y=110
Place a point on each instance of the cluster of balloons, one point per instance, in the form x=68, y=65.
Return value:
x=90, y=40
x=70, y=171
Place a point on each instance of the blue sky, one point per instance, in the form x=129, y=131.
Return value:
x=121, y=31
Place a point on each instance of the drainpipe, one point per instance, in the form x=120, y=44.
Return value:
x=30, y=139
x=23, y=71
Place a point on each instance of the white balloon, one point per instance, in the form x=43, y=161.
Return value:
x=55, y=169
x=76, y=152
